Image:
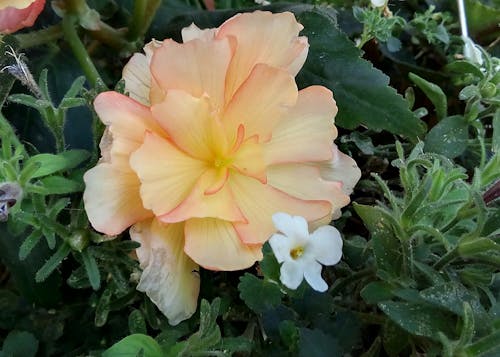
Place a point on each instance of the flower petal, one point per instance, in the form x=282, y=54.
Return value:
x=312, y=273
x=200, y=204
x=215, y=245
x=281, y=246
x=127, y=120
x=249, y=160
x=190, y=125
x=326, y=245
x=291, y=274
x=167, y=174
x=137, y=78
x=263, y=37
x=294, y=227
x=196, y=67
x=15, y=15
x=112, y=199
x=193, y=32
x=308, y=131
x=306, y=183
x=261, y=102
x=341, y=168
x=18, y=4
x=169, y=277
x=259, y=202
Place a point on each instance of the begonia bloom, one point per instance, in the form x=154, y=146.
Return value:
x=18, y=14
x=213, y=139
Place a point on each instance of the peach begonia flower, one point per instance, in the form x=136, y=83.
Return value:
x=18, y=14
x=214, y=139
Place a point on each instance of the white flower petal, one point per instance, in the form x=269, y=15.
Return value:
x=280, y=245
x=291, y=274
x=326, y=245
x=169, y=277
x=471, y=52
x=295, y=227
x=378, y=3
x=312, y=273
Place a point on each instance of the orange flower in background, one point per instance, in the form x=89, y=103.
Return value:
x=214, y=139
x=18, y=14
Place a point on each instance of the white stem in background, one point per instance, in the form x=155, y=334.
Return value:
x=463, y=19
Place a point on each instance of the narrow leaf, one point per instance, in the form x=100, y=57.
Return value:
x=434, y=93
x=52, y=263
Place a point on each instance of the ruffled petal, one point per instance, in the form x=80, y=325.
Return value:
x=294, y=227
x=291, y=274
x=112, y=199
x=169, y=277
x=193, y=32
x=249, y=160
x=308, y=131
x=200, y=204
x=281, y=246
x=263, y=37
x=196, y=67
x=305, y=182
x=167, y=174
x=326, y=245
x=261, y=102
x=312, y=273
x=215, y=245
x=15, y=15
x=190, y=125
x=17, y=4
x=259, y=202
x=341, y=168
x=137, y=78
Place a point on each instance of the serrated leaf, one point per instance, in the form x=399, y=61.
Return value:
x=259, y=295
x=133, y=345
x=448, y=137
x=418, y=319
x=362, y=92
x=50, y=163
x=433, y=92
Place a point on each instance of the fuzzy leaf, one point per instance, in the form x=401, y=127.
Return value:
x=448, y=137
x=50, y=163
x=133, y=345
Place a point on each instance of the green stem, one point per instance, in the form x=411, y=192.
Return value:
x=484, y=345
x=40, y=37
x=447, y=258
x=137, y=19
x=79, y=50
x=111, y=37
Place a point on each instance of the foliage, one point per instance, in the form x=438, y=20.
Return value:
x=420, y=273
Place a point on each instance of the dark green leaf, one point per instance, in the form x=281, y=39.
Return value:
x=434, y=93
x=20, y=344
x=315, y=343
x=259, y=295
x=53, y=262
x=132, y=345
x=102, y=308
x=448, y=137
x=136, y=322
x=376, y=292
x=91, y=269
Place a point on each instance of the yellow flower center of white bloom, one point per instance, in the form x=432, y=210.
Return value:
x=297, y=252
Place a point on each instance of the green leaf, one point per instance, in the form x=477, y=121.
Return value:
x=29, y=243
x=495, y=139
x=448, y=137
x=136, y=322
x=133, y=345
x=50, y=163
x=376, y=291
x=362, y=92
x=315, y=343
x=394, y=338
x=269, y=265
x=57, y=185
x=102, y=308
x=481, y=17
x=259, y=295
x=434, y=93
x=20, y=344
x=53, y=262
x=418, y=319
x=91, y=268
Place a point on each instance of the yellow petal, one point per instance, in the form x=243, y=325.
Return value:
x=259, y=202
x=112, y=199
x=263, y=37
x=249, y=160
x=200, y=204
x=215, y=245
x=127, y=120
x=169, y=277
x=261, y=102
x=190, y=125
x=197, y=67
x=167, y=174
x=18, y=4
x=307, y=132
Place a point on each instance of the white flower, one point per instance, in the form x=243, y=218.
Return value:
x=302, y=253
x=472, y=52
x=378, y=3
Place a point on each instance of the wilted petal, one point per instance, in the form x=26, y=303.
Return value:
x=215, y=245
x=261, y=102
x=167, y=174
x=291, y=274
x=196, y=67
x=169, y=277
x=137, y=78
x=341, y=168
x=326, y=245
x=259, y=202
x=307, y=132
x=312, y=273
x=112, y=199
x=263, y=37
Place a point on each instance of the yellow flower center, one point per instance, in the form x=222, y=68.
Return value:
x=297, y=252
x=221, y=162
